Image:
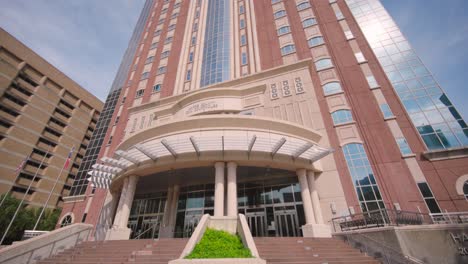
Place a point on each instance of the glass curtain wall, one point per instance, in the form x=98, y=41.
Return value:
x=216, y=51
x=436, y=119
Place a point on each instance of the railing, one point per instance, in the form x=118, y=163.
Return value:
x=450, y=218
x=378, y=250
x=379, y=218
x=146, y=231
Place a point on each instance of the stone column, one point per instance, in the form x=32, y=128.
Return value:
x=174, y=201
x=167, y=207
x=305, y=193
x=314, y=197
x=232, y=189
x=120, y=204
x=219, y=189
x=127, y=205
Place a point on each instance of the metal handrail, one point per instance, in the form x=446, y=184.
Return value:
x=151, y=227
x=379, y=218
x=407, y=258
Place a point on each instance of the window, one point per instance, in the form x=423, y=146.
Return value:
x=161, y=69
x=242, y=24
x=156, y=88
x=372, y=82
x=363, y=178
x=164, y=11
x=243, y=40
x=339, y=15
x=83, y=219
x=190, y=57
x=67, y=220
x=403, y=145
x=283, y=30
x=139, y=93
x=244, y=58
x=153, y=45
x=323, y=64
x=348, y=34
x=157, y=32
x=195, y=27
x=465, y=190
x=309, y=22
x=177, y=4
x=194, y=40
x=116, y=120
x=429, y=197
x=279, y=14
x=386, y=111
x=341, y=117
x=241, y=9
x=123, y=99
x=174, y=15
x=360, y=57
x=303, y=6
x=145, y=75
x=275, y=1
x=332, y=88
x=315, y=41
x=188, y=76
x=168, y=40
x=110, y=140
x=149, y=60
x=161, y=21
x=165, y=54
x=171, y=27
x=288, y=49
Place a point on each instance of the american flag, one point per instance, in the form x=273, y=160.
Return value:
x=21, y=165
x=67, y=162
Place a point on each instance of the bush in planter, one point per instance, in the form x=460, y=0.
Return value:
x=219, y=244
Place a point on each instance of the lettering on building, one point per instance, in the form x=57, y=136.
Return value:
x=460, y=240
x=201, y=107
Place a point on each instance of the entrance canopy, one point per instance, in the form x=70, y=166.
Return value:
x=213, y=137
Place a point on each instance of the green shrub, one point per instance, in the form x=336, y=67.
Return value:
x=219, y=244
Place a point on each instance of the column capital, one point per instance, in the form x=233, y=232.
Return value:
x=231, y=164
x=301, y=172
x=219, y=164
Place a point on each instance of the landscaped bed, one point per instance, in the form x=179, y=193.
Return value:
x=219, y=244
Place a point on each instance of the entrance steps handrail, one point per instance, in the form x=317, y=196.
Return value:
x=145, y=231
x=373, y=247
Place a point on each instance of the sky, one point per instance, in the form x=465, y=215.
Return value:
x=86, y=39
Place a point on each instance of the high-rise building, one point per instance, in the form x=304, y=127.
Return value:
x=290, y=112
x=45, y=119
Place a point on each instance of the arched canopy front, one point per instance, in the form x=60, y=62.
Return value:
x=204, y=139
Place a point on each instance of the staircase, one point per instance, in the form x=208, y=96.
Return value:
x=298, y=250
x=142, y=251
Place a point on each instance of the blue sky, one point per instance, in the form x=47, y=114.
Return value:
x=87, y=38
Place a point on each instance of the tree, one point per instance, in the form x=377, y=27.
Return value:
x=25, y=219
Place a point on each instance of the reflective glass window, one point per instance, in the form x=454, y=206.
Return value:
x=315, y=41
x=284, y=30
x=323, y=64
x=279, y=14
x=332, y=88
x=403, y=145
x=363, y=178
x=309, y=22
x=288, y=49
x=342, y=116
x=303, y=6
x=157, y=87
x=429, y=197
x=243, y=40
x=386, y=111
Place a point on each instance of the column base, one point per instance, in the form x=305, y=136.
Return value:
x=316, y=230
x=118, y=233
x=166, y=232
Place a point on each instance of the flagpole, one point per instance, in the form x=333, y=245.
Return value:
x=24, y=196
x=55, y=184
x=16, y=178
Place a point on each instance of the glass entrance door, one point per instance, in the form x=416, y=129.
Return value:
x=257, y=223
x=192, y=218
x=287, y=224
